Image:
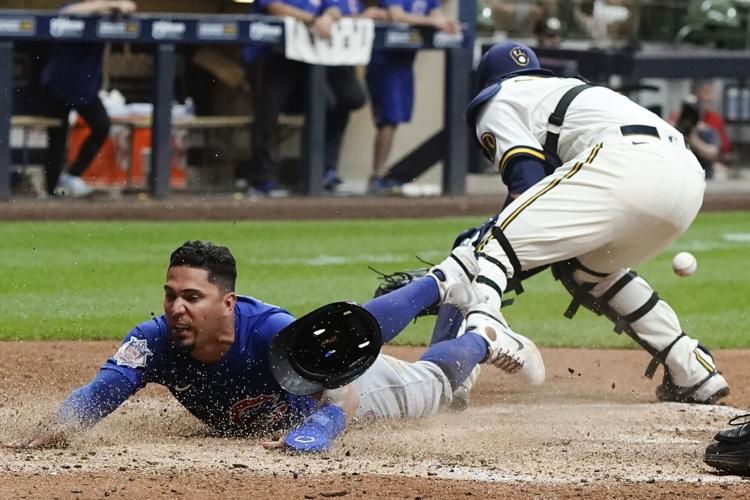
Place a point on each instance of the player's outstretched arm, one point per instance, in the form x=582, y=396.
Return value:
x=100, y=7
x=82, y=409
x=317, y=432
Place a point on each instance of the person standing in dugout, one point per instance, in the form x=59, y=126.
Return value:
x=70, y=81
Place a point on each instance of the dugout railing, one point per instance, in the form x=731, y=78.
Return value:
x=166, y=31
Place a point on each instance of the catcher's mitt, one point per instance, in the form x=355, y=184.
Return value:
x=391, y=282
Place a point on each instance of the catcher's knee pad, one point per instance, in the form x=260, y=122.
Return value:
x=629, y=302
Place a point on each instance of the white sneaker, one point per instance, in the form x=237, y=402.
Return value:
x=72, y=186
x=508, y=350
x=454, y=276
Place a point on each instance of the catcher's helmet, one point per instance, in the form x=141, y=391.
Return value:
x=502, y=61
x=324, y=349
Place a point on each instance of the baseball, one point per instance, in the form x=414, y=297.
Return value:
x=684, y=264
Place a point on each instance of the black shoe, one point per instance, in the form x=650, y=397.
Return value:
x=730, y=452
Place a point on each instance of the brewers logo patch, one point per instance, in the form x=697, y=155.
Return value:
x=133, y=353
x=519, y=56
x=489, y=146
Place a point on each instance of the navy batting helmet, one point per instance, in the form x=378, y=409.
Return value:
x=502, y=61
x=325, y=349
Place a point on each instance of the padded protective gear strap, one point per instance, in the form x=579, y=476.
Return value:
x=514, y=283
x=638, y=313
x=619, y=285
x=661, y=357
x=563, y=272
x=554, y=125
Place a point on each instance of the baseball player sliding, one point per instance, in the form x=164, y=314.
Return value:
x=597, y=184
x=228, y=359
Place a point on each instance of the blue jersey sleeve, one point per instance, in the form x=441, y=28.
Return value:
x=94, y=401
x=132, y=366
x=521, y=174
x=268, y=326
x=141, y=354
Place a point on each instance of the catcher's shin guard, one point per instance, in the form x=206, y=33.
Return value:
x=690, y=373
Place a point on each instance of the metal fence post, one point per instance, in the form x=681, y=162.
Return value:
x=161, y=126
x=6, y=110
x=314, y=134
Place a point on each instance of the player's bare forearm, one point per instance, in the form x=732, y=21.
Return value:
x=442, y=23
x=282, y=9
x=323, y=24
x=100, y=7
x=375, y=13
x=436, y=19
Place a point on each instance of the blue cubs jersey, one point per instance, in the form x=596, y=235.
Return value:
x=238, y=393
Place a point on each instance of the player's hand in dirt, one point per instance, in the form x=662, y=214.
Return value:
x=47, y=436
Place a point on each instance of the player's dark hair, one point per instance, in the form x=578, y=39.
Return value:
x=217, y=260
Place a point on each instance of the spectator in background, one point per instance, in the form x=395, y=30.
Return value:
x=71, y=80
x=548, y=33
x=276, y=86
x=704, y=91
x=390, y=80
x=705, y=130
x=519, y=17
x=703, y=141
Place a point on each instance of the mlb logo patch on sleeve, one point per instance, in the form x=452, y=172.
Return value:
x=133, y=353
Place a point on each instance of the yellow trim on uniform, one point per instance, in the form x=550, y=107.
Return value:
x=571, y=173
x=519, y=150
x=702, y=361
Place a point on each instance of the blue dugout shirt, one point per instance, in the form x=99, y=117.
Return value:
x=415, y=7
x=236, y=395
x=74, y=71
x=253, y=52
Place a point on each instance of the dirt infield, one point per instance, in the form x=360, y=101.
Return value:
x=594, y=430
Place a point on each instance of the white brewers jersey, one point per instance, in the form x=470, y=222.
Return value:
x=514, y=121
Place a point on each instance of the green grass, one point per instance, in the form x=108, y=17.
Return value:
x=94, y=280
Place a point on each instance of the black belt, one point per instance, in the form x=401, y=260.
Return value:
x=639, y=130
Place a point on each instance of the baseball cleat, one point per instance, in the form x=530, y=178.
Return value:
x=690, y=375
x=730, y=452
x=454, y=276
x=510, y=351
x=708, y=391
